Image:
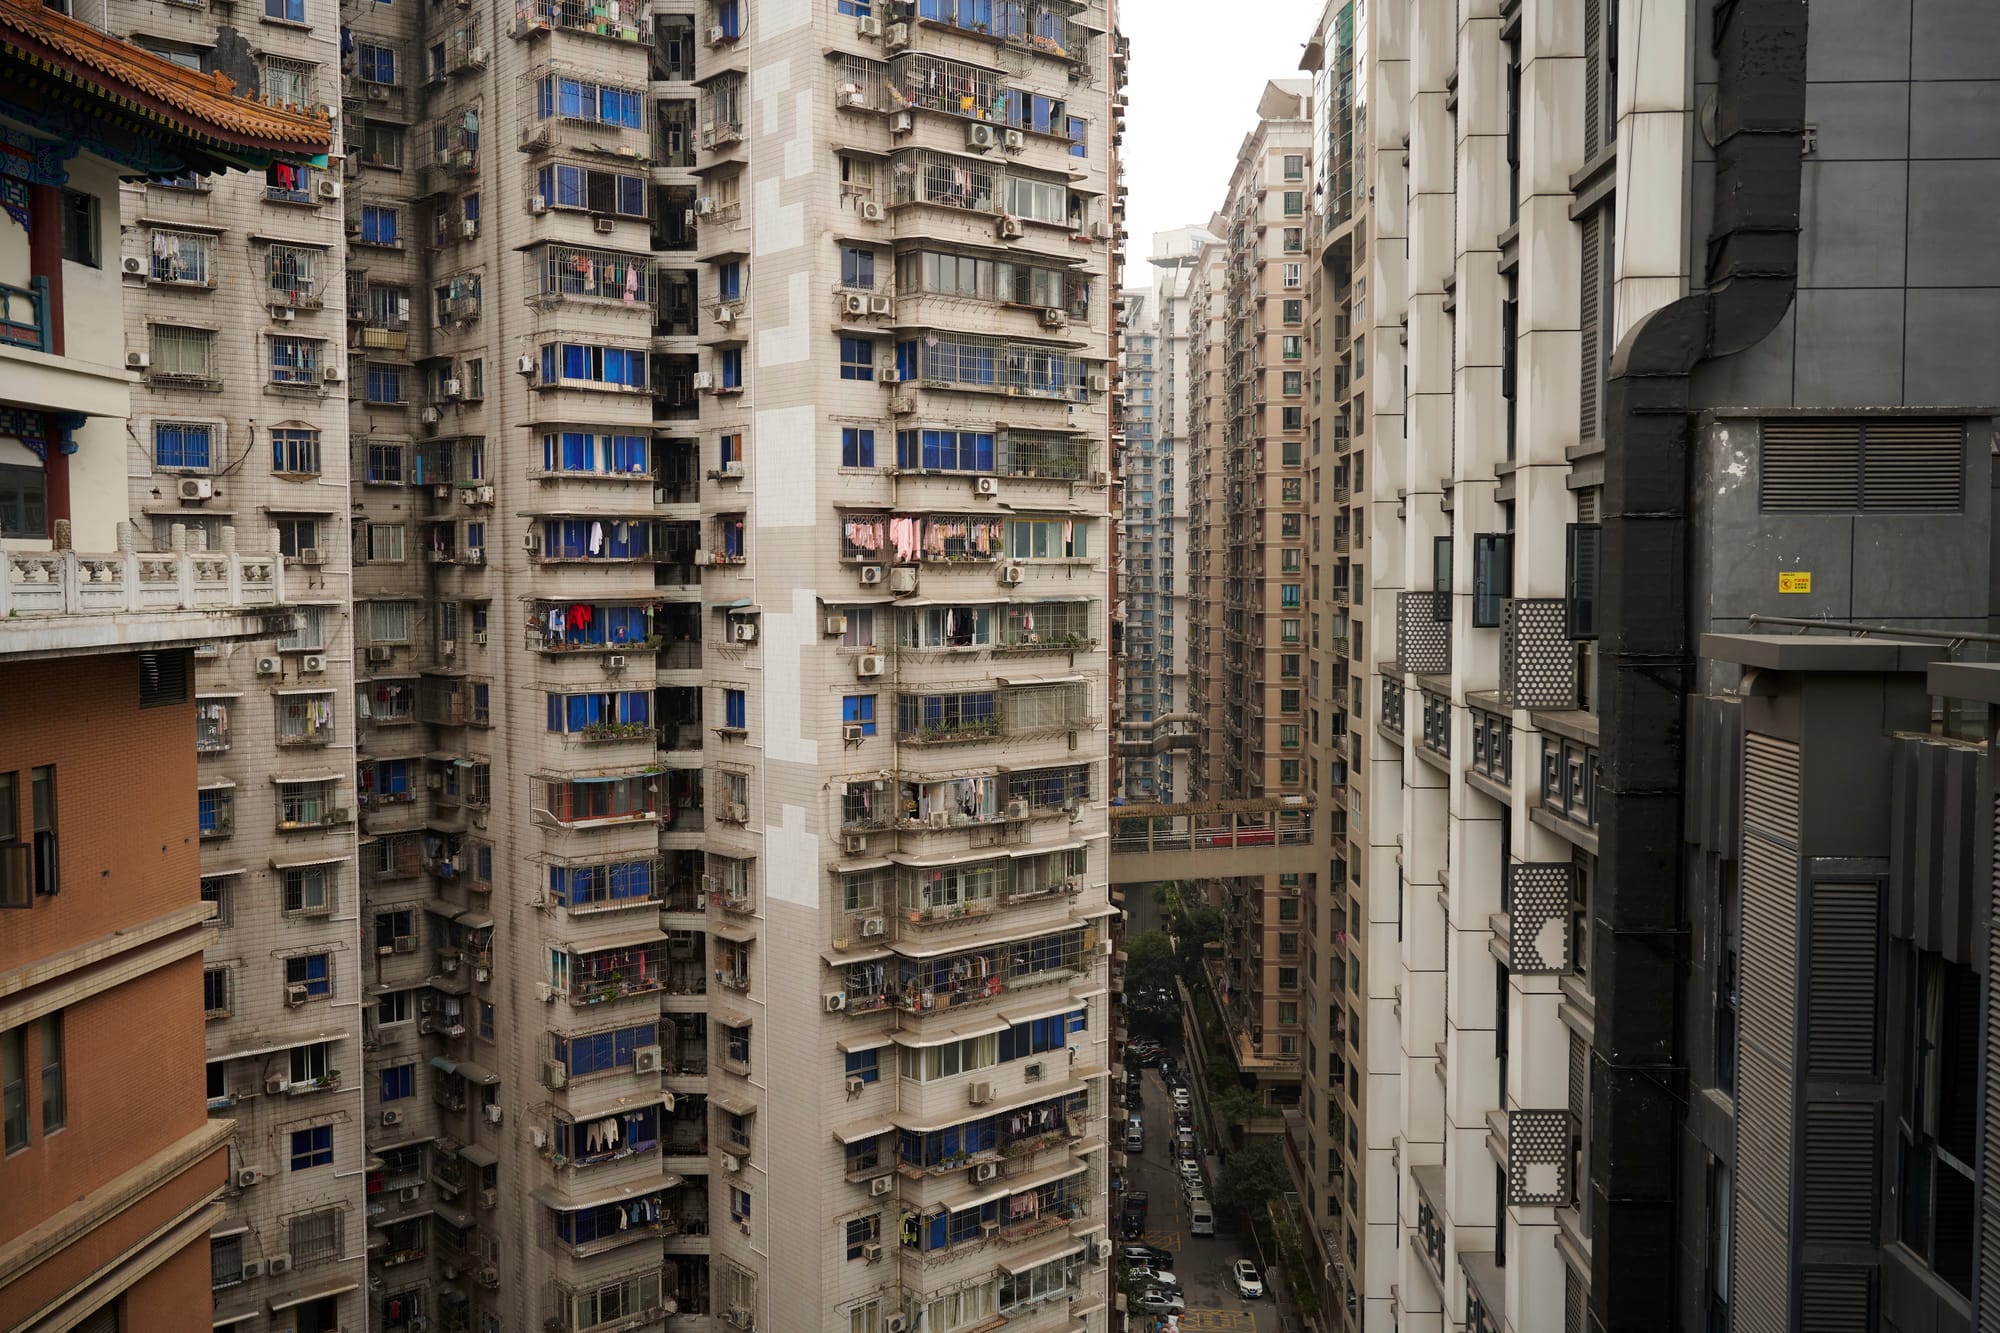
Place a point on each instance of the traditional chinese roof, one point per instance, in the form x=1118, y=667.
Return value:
x=59, y=70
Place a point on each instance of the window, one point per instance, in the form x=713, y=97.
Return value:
x=865, y=1065
x=311, y=1063
x=857, y=447
x=857, y=267
x=216, y=811
x=1580, y=580
x=80, y=224
x=183, y=257
x=861, y=1233
x=739, y=1205
x=1295, y=166
x=388, y=622
x=316, y=1237
x=295, y=452
x=1492, y=576
x=1079, y=136
x=24, y=508
x=393, y=1007
x=857, y=8
x=735, y=710
x=289, y=82
x=1939, y=1117
x=310, y=636
x=215, y=992
x=1728, y=929
x=859, y=710
x=1294, y=311
x=729, y=281
x=378, y=225
x=398, y=1082
x=382, y=145
x=295, y=362
x=857, y=359
x=313, y=971
x=181, y=353
x=28, y=866
x=378, y=63
x=312, y=1147
x=309, y=890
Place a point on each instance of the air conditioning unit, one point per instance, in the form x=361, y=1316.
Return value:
x=378, y=654
x=836, y=626
x=738, y=1316
x=479, y=638
x=1014, y=140
x=835, y=1001
x=979, y=136
x=1100, y=383
x=1010, y=574
x=717, y=35
x=313, y=664
x=469, y=228
x=295, y=994
x=987, y=486
x=731, y=1162
x=889, y=374
x=732, y=470
x=1100, y=231
x=409, y=1193
x=284, y=314
x=252, y=1268
x=868, y=664
x=725, y=315
x=880, y=307
x=853, y=733
x=902, y=407
x=1055, y=319
x=134, y=266
x=704, y=206
x=615, y=662
x=744, y=631
x=981, y=1092
x=555, y=1074
x=855, y=307
x=868, y=26
x=871, y=574
x=392, y=1117
x=276, y=1086
x=526, y=365
x=1017, y=809
x=453, y=388
x=896, y=1323
x=881, y=1185
x=871, y=211
x=270, y=666
x=703, y=381
x=1009, y=228
x=902, y=580
x=871, y=1251
x=280, y=1263
x=854, y=97
x=489, y=1199
x=872, y=927
x=538, y=205
x=984, y=1172
x=1032, y=1073
x=896, y=36
x=903, y=122
x=1103, y=1249
x=940, y=819
x=331, y=374
x=431, y=416
x=247, y=1177
x=646, y=1060
x=195, y=488
x=137, y=360
x=544, y=992
x=604, y=225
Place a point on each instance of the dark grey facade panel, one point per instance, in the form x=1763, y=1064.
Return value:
x=1987, y=1272
x=1715, y=740
x=1837, y=1300
x=1843, y=980
x=1935, y=824
x=1842, y=1160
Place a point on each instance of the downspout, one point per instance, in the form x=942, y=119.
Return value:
x=1638, y=1082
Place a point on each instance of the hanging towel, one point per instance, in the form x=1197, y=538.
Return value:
x=596, y=537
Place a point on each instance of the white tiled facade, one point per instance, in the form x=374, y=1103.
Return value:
x=694, y=776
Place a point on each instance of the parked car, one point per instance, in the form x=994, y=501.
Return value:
x=1133, y=1222
x=1181, y=1099
x=1157, y=1300
x=1152, y=1256
x=1249, y=1283
x=1154, y=1277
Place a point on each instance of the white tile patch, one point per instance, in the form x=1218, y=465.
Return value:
x=787, y=486
x=786, y=636
x=791, y=342
x=775, y=226
x=769, y=85
x=776, y=16
x=791, y=860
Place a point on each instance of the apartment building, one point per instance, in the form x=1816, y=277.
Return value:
x=1246, y=529
x=728, y=649
x=1675, y=975
x=1341, y=1158
x=114, y=1169
x=1142, y=644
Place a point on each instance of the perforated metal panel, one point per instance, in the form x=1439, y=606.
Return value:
x=1989, y=1176
x=1539, y=1158
x=1539, y=924
x=1537, y=658
x=1423, y=643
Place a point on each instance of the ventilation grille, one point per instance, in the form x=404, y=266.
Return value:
x=1836, y=1300
x=1840, y=1174
x=1771, y=787
x=1841, y=981
x=1846, y=466
x=1592, y=286
x=163, y=679
x=1576, y=1303
x=1989, y=1218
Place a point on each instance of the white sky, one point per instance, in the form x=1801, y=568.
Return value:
x=1198, y=67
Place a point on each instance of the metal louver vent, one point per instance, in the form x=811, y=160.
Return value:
x=1836, y=1300
x=1576, y=1303
x=1848, y=466
x=1841, y=981
x=1592, y=285
x=1771, y=787
x=1593, y=81
x=1840, y=1173
x=1989, y=1189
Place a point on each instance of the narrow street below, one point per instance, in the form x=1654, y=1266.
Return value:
x=1201, y=1262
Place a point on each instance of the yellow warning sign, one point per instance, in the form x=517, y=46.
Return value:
x=1794, y=580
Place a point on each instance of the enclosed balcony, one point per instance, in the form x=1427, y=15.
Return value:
x=601, y=975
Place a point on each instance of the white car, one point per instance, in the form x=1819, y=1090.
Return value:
x=1249, y=1286
x=1158, y=1300
x=1153, y=1277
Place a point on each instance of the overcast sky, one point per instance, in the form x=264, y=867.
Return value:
x=1197, y=69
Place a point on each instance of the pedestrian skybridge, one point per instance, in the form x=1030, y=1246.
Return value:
x=1215, y=839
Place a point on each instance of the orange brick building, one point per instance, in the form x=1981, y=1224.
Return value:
x=110, y=1164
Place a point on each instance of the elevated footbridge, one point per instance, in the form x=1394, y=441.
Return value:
x=1216, y=839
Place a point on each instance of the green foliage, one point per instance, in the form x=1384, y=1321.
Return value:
x=1149, y=963
x=1250, y=1176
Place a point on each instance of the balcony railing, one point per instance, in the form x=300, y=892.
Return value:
x=24, y=316
x=1430, y=1224
x=1392, y=706
x=68, y=583
x=1437, y=723
x=1493, y=745
x=1569, y=779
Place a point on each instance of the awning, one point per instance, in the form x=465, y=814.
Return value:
x=861, y=1130
x=936, y=858
x=281, y=1044
x=983, y=942
x=734, y=932
x=740, y=604
x=479, y=1154
x=223, y=872
x=1049, y=1008
x=1043, y=848
x=729, y=1020
x=731, y=1103
x=1011, y=681
x=952, y=601
x=922, y=1039
x=1021, y=1263
x=294, y=779
x=873, y=1042
x=214, y=784
x=220, y=694
x=466, y=1070
x=834, y=959
x=870, y=863
x=1053, y=507
x=303, y=689
x=302, y=863
x=551, y=1197
x=414, y=1141
x=474, y=920
x=623, y=940
x=958, y=1114
x=318, y=1293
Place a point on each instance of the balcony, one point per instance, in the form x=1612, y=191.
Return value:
x=24, y=316
x=618, y=22
x=1392, y=708
x=1429, y=1181
x=1436, y=735
x=69, y=601
x=1492, y=746
x=1569, y=780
